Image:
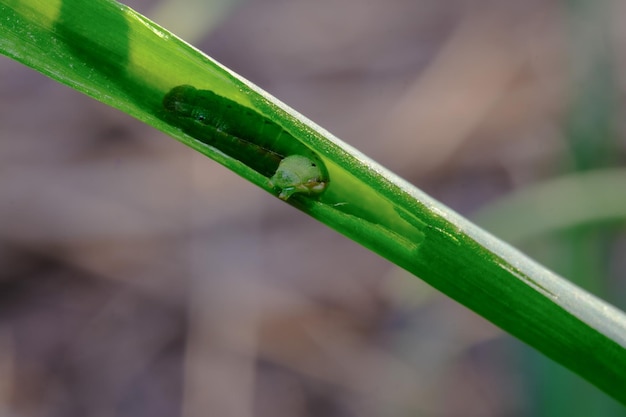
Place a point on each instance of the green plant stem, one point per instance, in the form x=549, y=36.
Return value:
x=111, y=53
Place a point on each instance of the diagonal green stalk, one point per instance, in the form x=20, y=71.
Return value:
x=120, y=58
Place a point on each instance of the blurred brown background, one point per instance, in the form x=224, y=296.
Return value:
x=138, y=278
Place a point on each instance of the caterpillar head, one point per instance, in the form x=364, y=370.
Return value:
x=298, y=174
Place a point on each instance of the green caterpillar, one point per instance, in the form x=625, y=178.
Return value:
x=298, y=174
x=247, y=136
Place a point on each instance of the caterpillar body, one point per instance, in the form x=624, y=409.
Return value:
x=247, y=136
